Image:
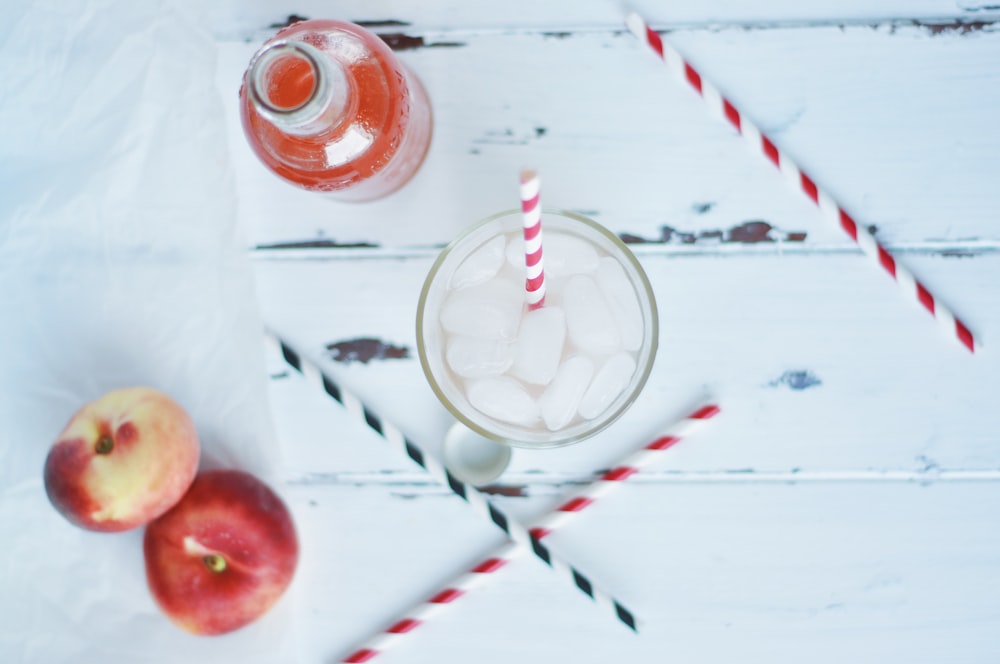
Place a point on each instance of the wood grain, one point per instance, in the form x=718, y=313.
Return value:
x=892, y=125
x=866, y=572
x=227, y=20
x=842, y=507
x=817, y=361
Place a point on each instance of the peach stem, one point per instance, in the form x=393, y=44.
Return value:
x=104, y=445
x=215, y=562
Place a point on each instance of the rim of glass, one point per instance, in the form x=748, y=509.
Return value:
x=269, y=55
x=646, y=355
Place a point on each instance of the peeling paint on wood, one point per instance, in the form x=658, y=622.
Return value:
x=383, y=23
x=511, y=491
x=398, y=41
x=749, y=232
x=292, y=18
x=365, y=349
x=319, y=244
x=890, y=25
x=959, y=26
x=796, y=380
x=934, y=27
x=508, y=136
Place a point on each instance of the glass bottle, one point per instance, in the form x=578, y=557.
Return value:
x=327, y=106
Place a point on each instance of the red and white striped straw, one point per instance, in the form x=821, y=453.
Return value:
x=532, y=210
x=487, y=569
x=762, y=145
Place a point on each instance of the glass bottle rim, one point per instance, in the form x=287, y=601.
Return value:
x=306, y=111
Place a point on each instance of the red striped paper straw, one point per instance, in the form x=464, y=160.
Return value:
x=532, y=210
x=762, y=145
x=487, y=569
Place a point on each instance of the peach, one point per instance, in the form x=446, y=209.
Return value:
x=122, y=460
x=223, y=555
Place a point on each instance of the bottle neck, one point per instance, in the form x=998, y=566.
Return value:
x=297, y=88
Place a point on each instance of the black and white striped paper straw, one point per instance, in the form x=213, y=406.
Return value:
x=478, y=500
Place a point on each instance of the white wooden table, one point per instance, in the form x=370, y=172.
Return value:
x=844, y=505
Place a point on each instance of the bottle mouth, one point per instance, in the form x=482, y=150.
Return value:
x=285, y=80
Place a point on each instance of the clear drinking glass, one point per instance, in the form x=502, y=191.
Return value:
x=630, y=300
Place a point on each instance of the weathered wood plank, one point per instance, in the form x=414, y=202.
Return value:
x=228, y=19
x=819, y=362
x=898, y=124
x=860, y=572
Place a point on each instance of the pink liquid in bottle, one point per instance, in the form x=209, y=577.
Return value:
x=326, y=106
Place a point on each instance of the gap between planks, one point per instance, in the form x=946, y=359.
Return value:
x=562, y=30
x=543, y=483
x=959, y=249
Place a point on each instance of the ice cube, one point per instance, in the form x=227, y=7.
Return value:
x=515, y=251
x=609, y=382
x=539, y=345
x=503, y=398
x=472, y=357
x=562, y=397
x=491, y=310
x=622, y=301
x=562, y=254
x=481, y=265
x=591, y=327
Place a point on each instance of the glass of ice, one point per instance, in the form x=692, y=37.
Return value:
x=546, y=377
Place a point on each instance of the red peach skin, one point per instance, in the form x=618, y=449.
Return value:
x=122, y=460
x=223, y=555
